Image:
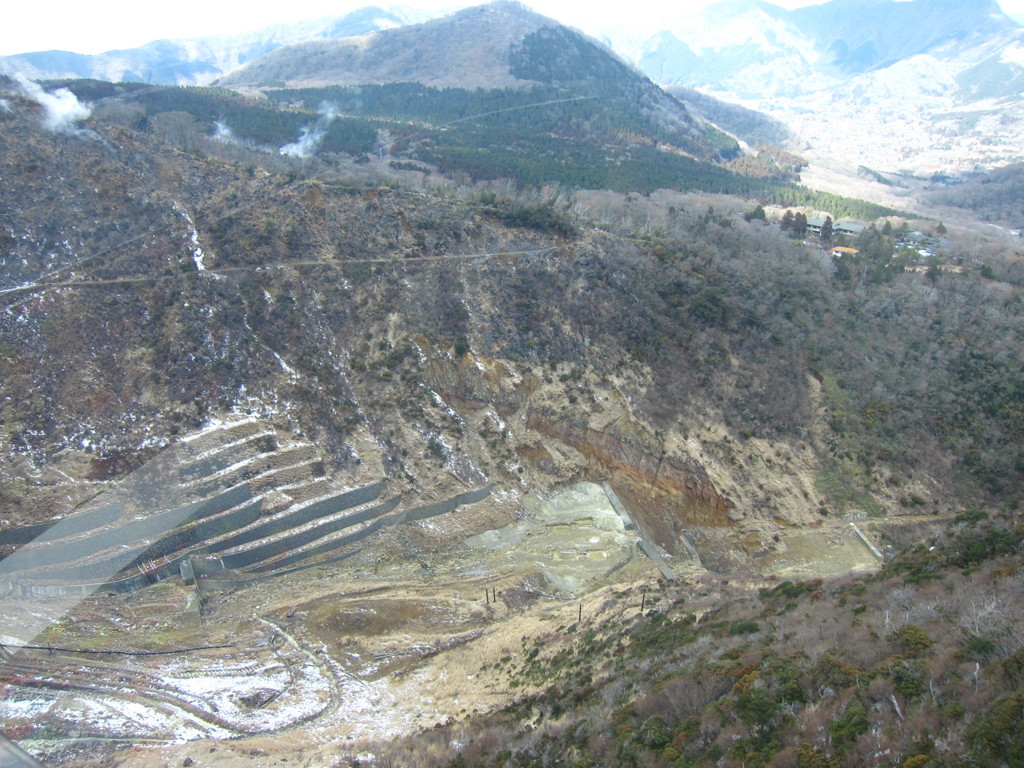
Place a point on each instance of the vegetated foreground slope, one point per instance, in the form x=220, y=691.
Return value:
x=919, y=665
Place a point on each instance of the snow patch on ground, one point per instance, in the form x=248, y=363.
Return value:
x=23, y=708
x=273, y=698
x=215, y=423
x=197, y=251
x=284, y=366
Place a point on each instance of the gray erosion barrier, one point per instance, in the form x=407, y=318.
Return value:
x=280, y=567
x=224, y=458
x=287, y=544
x=150, y=528
x=205, y=521
x=362, y=533
x=224, y=584
x=262, y=465
x=178, y=542
x=419, y=513
x=69, y=526
x=302, y=516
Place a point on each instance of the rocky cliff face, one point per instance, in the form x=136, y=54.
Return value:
x=671, y=484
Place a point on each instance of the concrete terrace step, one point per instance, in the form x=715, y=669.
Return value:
x=187, y=462
x=72, y=525
x=355, y=528
x=256, y=466
x=222, y=434
x=212, y=493
x=240, y=524
x=225, y=457
x=298, y=516
x=98, y=558
x=369, y=522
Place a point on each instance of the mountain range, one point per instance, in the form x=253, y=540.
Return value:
x=745, y=47
x=755, y=48
x=196, y=61
x=905, y=87
x=894, y=86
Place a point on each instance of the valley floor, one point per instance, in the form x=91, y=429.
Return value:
x=301, y=670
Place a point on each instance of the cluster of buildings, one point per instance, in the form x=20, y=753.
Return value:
x=850, y=228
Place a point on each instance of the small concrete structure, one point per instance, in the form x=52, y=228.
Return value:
x=840, y=250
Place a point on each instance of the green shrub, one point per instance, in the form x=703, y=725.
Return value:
x=998, y=732
x=809, y=757
x=792, y=692
x=970, y=516
x=744, y=627
x=653, y=733
x=973, y=547
x=848, y=726
x=908, y=678
x=911, y=639
x=834, y=670
x=757, y=708
x=1014, y=666
x=978, y=649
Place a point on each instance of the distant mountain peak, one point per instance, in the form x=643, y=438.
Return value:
x=197, y=61
x=505, y=6
x=469, y=48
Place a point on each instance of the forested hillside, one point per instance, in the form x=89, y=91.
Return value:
x=539, y=136
x=992, y=196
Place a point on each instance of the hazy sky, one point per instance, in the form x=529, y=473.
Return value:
x=102, y=25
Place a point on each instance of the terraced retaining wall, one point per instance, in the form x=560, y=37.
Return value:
x=197, y=535
x=221, y=584
x=69, y=526
x=101, y=571
x=280, y=567
x=303, y=516
x=283, y=562
x=302, y=458
x=419, y=513
x=230, y=455
x=172, y=567
x=87, y=578
x=153, y=527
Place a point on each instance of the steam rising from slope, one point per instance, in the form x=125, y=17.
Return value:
x=222, y=132
x=62, y=107
x=312, y=135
